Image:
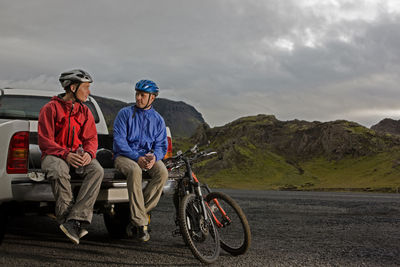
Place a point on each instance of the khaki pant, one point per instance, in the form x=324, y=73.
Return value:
x=81, y=209
x=142, y=201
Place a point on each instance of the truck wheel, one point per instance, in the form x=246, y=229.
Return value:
x=117, y=220
x=3, y=221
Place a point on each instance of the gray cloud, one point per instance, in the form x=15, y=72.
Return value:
x=313, y=60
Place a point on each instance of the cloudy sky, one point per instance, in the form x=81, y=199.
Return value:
x=295, y=59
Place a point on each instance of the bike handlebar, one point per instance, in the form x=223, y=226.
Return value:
x=180, y=158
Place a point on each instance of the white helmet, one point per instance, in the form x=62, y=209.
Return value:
x=74, y=76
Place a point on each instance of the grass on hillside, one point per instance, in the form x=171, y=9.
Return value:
x=264, y=170
x=380, y=172
x=267, y=170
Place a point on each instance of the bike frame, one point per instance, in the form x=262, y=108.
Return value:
x=209, y=209
x=226, y=217
x=196, y=186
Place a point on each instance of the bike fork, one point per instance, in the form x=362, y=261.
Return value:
x=203, y=206
x=197, y=187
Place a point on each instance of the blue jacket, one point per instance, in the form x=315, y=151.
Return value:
x=134, y=136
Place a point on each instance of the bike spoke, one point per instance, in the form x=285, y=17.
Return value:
x=200, y=234
x=232, y=225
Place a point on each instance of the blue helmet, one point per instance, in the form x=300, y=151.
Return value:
x=147, y=86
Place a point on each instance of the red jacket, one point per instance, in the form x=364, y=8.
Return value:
x=63, y=126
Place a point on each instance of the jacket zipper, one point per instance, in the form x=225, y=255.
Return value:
x=73, y=137
x=69, y=126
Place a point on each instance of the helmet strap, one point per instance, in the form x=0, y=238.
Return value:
x=148, y=101
x=76, y=90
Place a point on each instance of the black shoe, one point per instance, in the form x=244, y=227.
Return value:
x=143, y=234
x=148, y=224
x=131, y=230
x=71, y=230
x=83, y=232
x=82, y=229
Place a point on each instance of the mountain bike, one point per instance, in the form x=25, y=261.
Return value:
x=207, y=220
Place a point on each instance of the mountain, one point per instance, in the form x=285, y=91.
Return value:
x=181, y=118
x=262, y=152
x=389, y=126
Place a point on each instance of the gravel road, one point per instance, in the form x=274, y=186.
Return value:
x=288, y=229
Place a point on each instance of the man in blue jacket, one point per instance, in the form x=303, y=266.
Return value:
x=140, y=143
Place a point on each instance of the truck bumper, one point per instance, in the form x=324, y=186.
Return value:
x=110, y=192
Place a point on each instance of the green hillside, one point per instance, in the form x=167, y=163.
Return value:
x=261, y=152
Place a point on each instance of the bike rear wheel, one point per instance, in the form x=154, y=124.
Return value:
x=198, y=233
x=231, y=222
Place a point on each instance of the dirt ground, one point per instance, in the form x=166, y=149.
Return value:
x=288, y=229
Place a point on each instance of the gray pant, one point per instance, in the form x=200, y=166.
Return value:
x=142, y=201
x=57, y=171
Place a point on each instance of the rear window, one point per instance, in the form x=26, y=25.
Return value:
x=28, y=107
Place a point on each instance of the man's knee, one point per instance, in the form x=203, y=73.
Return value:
x=161, y=171
x=95, y=169
x=128, y=167
x=134, y=170
x=55, y=168
x=164, y=173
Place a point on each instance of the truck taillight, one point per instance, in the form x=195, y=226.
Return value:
x=169, y=149
x=17, y=161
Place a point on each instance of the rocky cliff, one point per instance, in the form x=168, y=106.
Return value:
x=389, y=126
x=297, y=139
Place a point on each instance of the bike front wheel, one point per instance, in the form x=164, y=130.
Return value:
x=231, y=222
x=199, y=233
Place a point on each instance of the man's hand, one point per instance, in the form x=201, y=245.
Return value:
x=147, y=161
x=77, y=161
x=151, y=159
x=86, y=159
x=142, y=162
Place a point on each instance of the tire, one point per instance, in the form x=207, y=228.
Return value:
x=235, y=235
x=117, y=221
x=3, y=221
x=201, y=236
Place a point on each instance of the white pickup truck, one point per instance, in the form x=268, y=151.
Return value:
x=24, y=187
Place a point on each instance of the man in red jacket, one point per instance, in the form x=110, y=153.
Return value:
x=64, y=125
